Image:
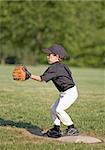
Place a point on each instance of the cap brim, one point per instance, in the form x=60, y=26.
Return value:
x=47, y=51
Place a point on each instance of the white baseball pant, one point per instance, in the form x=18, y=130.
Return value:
x=65, y=100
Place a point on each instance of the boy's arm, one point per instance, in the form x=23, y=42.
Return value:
x=37, y=78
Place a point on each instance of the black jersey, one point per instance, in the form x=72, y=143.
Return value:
x=60, y=75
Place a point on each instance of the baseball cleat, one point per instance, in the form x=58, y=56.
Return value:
x=53, y=133
x=70, y=132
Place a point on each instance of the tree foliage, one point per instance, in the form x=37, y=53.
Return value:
x=26, y=27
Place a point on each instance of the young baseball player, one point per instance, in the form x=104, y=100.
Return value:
x=61, y=76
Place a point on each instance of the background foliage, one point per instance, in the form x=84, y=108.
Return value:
x=26, y=27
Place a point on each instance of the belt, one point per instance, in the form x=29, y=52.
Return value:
x=68, y=88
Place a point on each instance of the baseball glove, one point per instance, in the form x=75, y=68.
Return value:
x=20, y=73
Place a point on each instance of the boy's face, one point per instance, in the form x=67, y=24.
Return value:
x=52, y=58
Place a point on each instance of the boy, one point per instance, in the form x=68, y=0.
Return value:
x=62, y=78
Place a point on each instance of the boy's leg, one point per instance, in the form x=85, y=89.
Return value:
x=54, y=116
x=55, y=131
x=66, y=99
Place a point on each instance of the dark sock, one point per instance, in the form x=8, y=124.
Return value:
x=71, y=126
x=56, y=127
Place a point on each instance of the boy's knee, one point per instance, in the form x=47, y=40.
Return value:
x=58, y=111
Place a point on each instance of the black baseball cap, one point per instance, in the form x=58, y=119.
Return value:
x=55, y=49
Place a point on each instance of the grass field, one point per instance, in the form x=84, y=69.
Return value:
x=25, y=105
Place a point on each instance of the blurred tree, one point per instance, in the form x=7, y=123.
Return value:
x=26, y=27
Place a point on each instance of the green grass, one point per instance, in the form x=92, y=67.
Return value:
x=25, y=105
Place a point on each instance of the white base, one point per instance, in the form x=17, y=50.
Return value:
x=79, y=139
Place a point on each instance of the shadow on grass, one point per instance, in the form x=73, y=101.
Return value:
x=33, y=129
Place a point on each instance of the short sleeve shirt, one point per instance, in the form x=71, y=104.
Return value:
x=61, y=76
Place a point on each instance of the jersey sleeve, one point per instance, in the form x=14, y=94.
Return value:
x=49, y=74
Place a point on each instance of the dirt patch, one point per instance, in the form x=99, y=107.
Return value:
x=71, y=139
x=34, y=135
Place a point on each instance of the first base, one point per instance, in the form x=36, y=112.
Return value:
x=79, y=139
